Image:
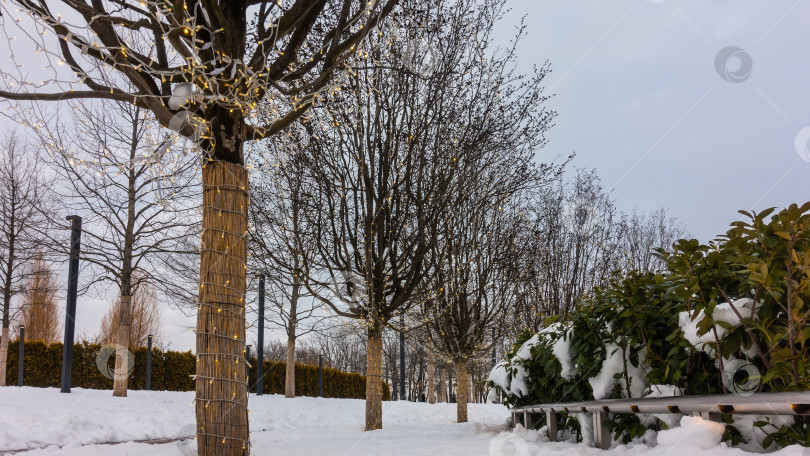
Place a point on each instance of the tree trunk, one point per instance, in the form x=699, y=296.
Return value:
x=431, y=390
x=221, y=380
x=462, y=391
x=374, y=378
x=121, y=351
x=3, y=356
x=442, y=385
x=289, y=382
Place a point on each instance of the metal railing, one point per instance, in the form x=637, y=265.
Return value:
x=790, y=403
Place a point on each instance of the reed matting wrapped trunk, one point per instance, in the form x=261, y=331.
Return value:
x=221, y=380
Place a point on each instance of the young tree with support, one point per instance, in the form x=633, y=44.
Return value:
x=203, y=68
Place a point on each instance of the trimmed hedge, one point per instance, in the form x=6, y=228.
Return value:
x=171, y=371
x=336, y=383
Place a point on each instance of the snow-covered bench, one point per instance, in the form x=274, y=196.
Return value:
x=789, y=403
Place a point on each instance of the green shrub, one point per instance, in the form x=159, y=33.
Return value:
x=763, y=263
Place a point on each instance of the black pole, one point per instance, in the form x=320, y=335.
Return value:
x=402, y=358
x=320, y=375
x=70, y=311
x=260, y=348
x=494, y=355
x=149, y=363
x=21, y=356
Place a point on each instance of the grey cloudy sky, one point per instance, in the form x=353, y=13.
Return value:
x=639, y=99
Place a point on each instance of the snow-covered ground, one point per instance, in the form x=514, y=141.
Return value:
x=81, y=423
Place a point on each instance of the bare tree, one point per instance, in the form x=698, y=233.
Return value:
x=39, y=312
x=145, y=313
x=386, y=177
x=575, y=239
x=133, y=189
x=277, y=244
x=22, y=199
x=204, y=68
x=643, y=234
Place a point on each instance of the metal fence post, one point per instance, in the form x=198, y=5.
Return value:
x=551, y=425
x=149, y=363
x=21, y=356
x=320, y=375
x=260, y=348
x=601, y=436
x=72, y=291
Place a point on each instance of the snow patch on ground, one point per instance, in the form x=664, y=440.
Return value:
x=694, y=431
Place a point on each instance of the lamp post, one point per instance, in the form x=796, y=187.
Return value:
x=72, y=291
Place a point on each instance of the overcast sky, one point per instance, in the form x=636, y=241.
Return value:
x=640, y=99
x=643, y=97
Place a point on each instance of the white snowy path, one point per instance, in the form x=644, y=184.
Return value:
x=52, y=423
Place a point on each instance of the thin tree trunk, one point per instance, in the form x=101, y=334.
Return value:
x=374, y=378
x=221, y=380
x=3, y=356
x=431, y=392
x=442, y=385
x=125, y=300
x=121, y=351
x=462, y=392
x=289, y=382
